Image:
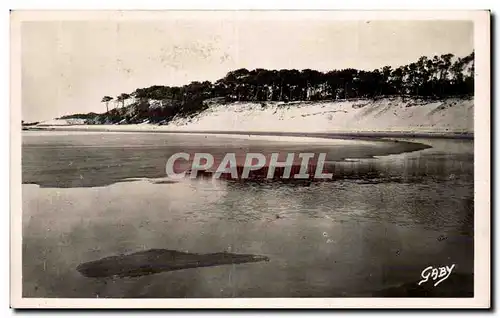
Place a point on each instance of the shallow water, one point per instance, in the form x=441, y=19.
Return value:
x=378, y=224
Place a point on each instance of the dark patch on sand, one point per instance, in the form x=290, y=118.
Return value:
x=160, y=260
x=165, y=182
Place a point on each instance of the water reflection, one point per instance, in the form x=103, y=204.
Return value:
x=376, y=225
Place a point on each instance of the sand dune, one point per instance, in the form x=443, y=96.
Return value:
x=453, y=115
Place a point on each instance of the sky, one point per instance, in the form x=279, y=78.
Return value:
x=68, y=66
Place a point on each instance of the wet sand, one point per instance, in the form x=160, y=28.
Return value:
x=99, y=159
x=326, y=134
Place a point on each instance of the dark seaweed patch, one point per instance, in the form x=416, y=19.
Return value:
x=160, y=260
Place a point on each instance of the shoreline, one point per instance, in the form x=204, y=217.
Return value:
x=317, y=135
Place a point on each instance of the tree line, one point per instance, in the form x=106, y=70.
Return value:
x=429, y=77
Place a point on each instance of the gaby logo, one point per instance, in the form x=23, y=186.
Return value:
x=441, y=273
x=248, y=166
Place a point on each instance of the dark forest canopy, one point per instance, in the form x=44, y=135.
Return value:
x=438, y=76
x=429, y=77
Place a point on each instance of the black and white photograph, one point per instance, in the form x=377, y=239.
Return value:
x=248, y=158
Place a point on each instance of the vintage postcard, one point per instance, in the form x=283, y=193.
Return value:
x=250, y=159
